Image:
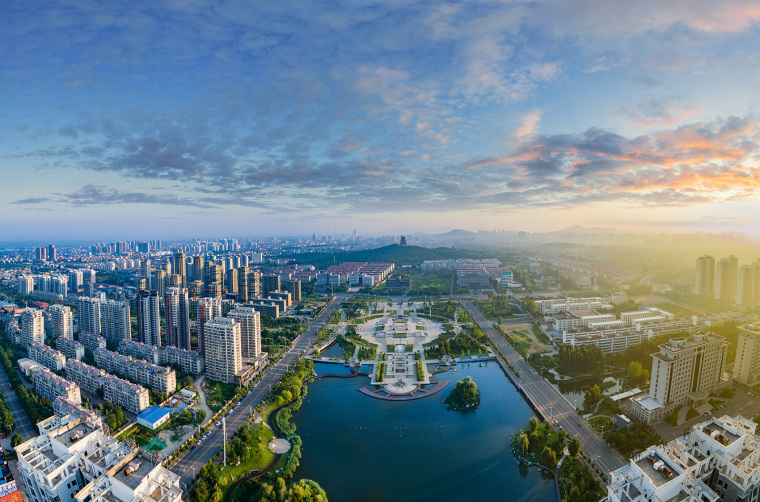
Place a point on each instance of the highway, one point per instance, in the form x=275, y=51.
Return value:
x=548, y=400
x=191, y=461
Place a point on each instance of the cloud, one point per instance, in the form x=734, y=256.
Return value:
x=99, y=195
x=31, y=200
x=657, y=111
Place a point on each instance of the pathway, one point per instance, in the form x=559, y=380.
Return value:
x=21, y=423
x=556, y=477
x=171, y=448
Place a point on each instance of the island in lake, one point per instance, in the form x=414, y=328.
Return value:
x=464, y=396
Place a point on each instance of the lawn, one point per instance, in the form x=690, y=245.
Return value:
x=219, y=393
x=677, y=310
x=260, y=457
x=141, y=435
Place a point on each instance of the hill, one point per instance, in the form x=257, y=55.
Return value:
x=400, y=255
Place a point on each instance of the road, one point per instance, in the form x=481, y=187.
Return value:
x=21, y=423
x=192, y=460
x=548, y=400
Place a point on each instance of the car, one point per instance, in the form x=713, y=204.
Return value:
x=580, y=425
x=238, y=404
x=219, y=424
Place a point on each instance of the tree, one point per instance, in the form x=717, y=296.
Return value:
x=187, y=381
x=574, y=447
x=16, y=440
x=561, y=435
x=524, y=443
x=530, y=307
x=592, y=396
x=532, y=424
x=547, y=457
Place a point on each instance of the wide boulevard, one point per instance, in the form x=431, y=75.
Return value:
x=188, y=465
x=550, y=403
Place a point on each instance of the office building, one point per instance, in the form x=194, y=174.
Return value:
x=75, y=459
x=47, y=356
x=716, y=460
x=206, y=309
x=684, y=371
x=89, y=315
x=116, y=321
x=177, y=318
x=705, y=282
x=70, y=348
x=267, y=307
x=223, y=358
x=32, y=327
x=747, y=365
x=294, y=288
x=179, y=267
x=61, y=322
x=48, y=384
x=250, y=330
x=148, y=320
x=25, y=285
x=283, y=296
x=91, y=341
x=269, y=284
x=725, y=278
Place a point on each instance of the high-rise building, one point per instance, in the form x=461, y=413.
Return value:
x=214, y=290
x=25, y=285
x=223, y=358
x=250, y=330
x=232, y=281
x=145, y=271
x=214, y=273
x=294, y=288
x=180, y=267
x=198, y=268
x=747, y=365
x=177, y=318
x=160, y=280
x=206, y=309
x=705, y=283
x=61, y=322
x=32, y=327
x=725, y=278
x=175, y=281
x=745, y=286
x=89, y=315
x=243, y=273
x=116, y=321
x=254, y=285
x=685, y=370
x=148, y=320
x=51, y=254
x=76, y=280
x=269, y=284
x=40, y=253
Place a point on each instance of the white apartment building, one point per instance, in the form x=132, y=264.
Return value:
x=686, y=370
x=223, y=356
x=206, y=309
x=148, y=318
x=61, y=322
x=177, y=318
x=25, y=285
x=32, y=326
x=91, y=340
x=128, y=395
x=70, y=348
x=89, y=314
x=189, y=361
x=87, y=377
x=717, y=460
x=158, y=378
x=747, y=365
x=47, y=356
x=74, y=458
x=139, y=350
x=250, y=330
x=48, y=384
x=116, y=321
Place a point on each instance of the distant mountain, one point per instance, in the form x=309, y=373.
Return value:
x=456, y=234
x=400, y=255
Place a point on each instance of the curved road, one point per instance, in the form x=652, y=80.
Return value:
x=191, y=461
x=548, y=400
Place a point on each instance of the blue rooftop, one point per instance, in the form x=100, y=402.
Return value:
x=154, y=414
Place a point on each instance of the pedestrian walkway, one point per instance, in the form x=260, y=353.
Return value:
x=21, y=423
x=556, y=476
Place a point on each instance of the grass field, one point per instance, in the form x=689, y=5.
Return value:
x=260, y=458
x=677, y=310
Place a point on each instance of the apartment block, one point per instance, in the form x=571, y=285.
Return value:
x=266, y=307
x=189, y=361
x=25, y=285
x=89, y=314
x=91, y=340
x=726, y=271
x=205, y=310
x=686, y=370
x=128, y=395
x=47, y=356
x=61, y=321
x=48, y=384
x=716, y=460
x=177, y=318
x=32, y=327
x=148, y=318
x=747, y=365
x=116, y=321
x=139, y=350
x=282, y=296
x=74, y=458
x=250, y=330
x=87, y=377
x=158, y=378
x=70, y=348
x=223, y=356
x=294, y=287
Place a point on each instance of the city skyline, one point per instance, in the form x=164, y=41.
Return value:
x=232, y=119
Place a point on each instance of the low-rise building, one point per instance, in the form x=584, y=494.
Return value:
x=48, y=384
x=154, y=417
x=158, y=378
x=87, y=377
x=70, y=348
x=130, y=396
x=47, y=356
x=91, y=340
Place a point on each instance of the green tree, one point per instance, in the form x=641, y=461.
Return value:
x=561, y=435
x=16, y=440
x=548, y=458
x=592, y=396
x=532, y=424
x=574, y=447
x=524, y=443
x=187, y=381
x=530, y=306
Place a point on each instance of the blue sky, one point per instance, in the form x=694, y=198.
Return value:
x=194, y=118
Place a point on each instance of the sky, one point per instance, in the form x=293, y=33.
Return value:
x=190, y=118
